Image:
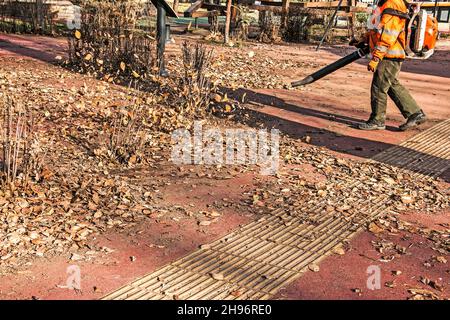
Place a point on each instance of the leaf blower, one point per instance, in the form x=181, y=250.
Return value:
x=421, y=35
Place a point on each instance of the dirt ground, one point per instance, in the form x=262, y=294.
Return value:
x=318, y=117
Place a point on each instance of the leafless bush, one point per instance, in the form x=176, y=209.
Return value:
x=196, y=85
x=109, y=44
x=20, y=154
x=127, y=138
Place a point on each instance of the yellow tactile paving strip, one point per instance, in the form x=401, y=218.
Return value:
x=259, y=258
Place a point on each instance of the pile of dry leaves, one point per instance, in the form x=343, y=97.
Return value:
x=93, y=137
x=251, y=68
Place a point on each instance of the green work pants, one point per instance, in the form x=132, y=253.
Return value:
x=385, y=82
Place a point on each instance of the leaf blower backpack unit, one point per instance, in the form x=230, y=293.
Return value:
x=421, y=30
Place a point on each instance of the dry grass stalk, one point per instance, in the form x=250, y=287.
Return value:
x=128, y=137
x=19, y=144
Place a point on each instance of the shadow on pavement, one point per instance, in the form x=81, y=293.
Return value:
x=355, y=146
x=253, y=97
x=35, y=53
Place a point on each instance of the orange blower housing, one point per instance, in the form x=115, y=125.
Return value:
x=421, y=34
x=431, y=33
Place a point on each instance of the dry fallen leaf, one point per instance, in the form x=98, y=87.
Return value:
x=217, y=276
x=214, y=214
x=75, y=257
x=339, y=251
x=441, y=259
x=314, y=267
x=236, y=293
x=216, y=97
x=374, y=228
x=307, y=139
x=390, y=284
x=407, y=199
x=422, y=294
x=98, y=214
x=389, y=180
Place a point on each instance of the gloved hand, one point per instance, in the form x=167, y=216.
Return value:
x=373, y=64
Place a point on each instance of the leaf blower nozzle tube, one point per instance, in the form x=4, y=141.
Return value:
x=332, y=67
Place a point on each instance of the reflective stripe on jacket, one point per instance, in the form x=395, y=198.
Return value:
x=386, y=31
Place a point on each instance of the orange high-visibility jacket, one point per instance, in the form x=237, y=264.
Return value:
x=386, y=35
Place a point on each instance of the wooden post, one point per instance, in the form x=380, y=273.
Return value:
x=226, y=37
x=234, y=13
x=39, y=16
x=330, y=24
x=284, y=12
x=351, y=24
x=175, y=5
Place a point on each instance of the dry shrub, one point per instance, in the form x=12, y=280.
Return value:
x=21, y=160
x=195, y=83
x=27, y=17
x=360, y=24
x=299, y=23
x=109, y=44
x=243, y=22
x=269, y=26
x=214, y=25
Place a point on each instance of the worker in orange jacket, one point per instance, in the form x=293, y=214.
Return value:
x=386, y=39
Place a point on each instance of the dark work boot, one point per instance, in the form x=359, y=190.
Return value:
x=414, y=120
x=371, y=125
